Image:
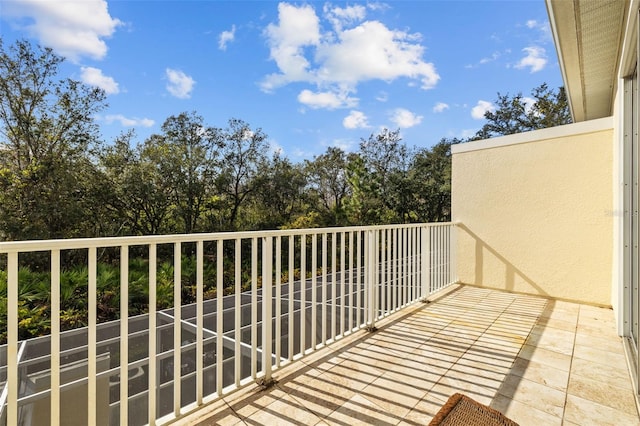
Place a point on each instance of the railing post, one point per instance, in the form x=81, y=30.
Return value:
x=267, y=291
x=424, y=262
x=12, y=338
x=92, y=335
x=219, y=316
x=124, y=334
x=453, y=250
x=177, y=328
x=371, y=269
x=152, y=376
x=55, y=338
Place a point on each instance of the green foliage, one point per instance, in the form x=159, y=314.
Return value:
x=47, y=137
x=57, y=180
x=328, y=185
x=243, y=156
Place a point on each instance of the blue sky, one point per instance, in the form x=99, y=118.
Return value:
x=310, y=74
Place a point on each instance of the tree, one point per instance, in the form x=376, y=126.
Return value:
x=386, y=161
x=363, y=207
x=430, y=178
x=327, y=178
x=185, y=154
x=516, y=114
x=243, y=152
x=139, y=196
x=47, y=138
x=280, y=194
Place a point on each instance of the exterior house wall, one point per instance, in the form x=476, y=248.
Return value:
x=535, y=212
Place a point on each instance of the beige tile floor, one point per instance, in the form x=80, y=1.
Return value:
x=539, y=361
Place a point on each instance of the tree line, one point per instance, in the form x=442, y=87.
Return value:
x=58, y=179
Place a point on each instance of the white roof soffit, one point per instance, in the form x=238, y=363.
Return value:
x=588, y=35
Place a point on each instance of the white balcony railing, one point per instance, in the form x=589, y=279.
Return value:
x=325, y=284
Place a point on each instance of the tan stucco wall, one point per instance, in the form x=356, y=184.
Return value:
x=535, y=212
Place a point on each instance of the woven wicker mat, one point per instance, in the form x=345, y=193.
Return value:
x=461, y=410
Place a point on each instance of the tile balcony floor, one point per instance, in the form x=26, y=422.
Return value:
x=539, y=361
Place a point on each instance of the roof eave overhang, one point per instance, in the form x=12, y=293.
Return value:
x=588, y=35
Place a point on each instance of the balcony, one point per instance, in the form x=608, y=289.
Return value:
x=231, y=331
x=537, y=360
x=351, y=342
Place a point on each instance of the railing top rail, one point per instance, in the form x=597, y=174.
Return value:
x=84, y=243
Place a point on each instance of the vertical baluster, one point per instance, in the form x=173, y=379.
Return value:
x=278, y=301
x=343, y=282
x=334, y=295
x=254, y=308
x=325, y=267
x=351, y=283
x=314, y=296
x=92, y=418
x=219, y=316
x=177, y=328
x=55, y=338
x=414, y=264
x=440, y=258
x=199, y=321
x=389, y=269
x=237, y=324
x=409, y=266
x=370, y=285
x=12, y=338
x=375, y=275
x=405, y=279
x=394, y=266
x=382, y=273
x=267, y=311
x=124, y=335
x=153, y=370
x=424, y=256
x=291, y=270
x=359, y=321
x=303, y=294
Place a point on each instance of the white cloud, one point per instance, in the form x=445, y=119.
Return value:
x=382, y=97
x=226, y=37
x=129, y=122
x=298, y=27
x=339, y=16
x=72, y=28
x=180, y=85
x=338, y=60
x=535, y=59
x=440, y=107
x=355, y=120
x=543, y=28
x=94, y=77
x=328, y=100
x=404, y=118
x=371, y=51
x=487, y=59
x=478, y=111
